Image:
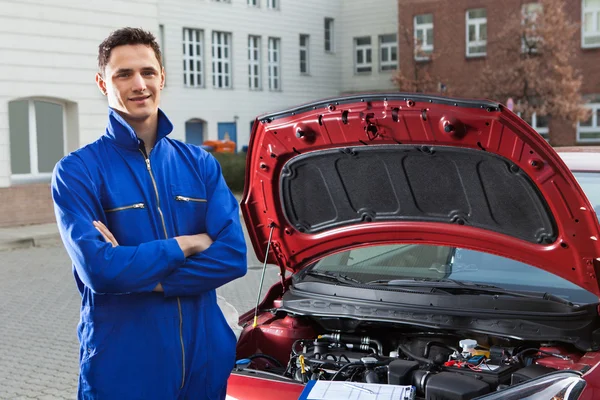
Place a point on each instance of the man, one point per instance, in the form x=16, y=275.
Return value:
x=152, y=230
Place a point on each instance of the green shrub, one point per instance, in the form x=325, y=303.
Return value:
x=233, y=166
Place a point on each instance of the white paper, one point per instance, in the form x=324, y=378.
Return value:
x=337, y=390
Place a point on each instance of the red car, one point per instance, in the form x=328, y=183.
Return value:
x=424, y=242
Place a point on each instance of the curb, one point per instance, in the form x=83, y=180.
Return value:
x=25, y=242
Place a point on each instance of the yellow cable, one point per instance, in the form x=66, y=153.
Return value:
x=302, y=367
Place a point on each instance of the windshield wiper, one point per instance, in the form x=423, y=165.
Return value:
x=333, y=275
x=469, y=287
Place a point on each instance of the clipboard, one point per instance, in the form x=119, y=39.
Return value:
x=341, y=390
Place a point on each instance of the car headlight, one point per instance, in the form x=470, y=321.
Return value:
x=555, y=386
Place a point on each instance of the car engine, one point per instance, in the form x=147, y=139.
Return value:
x=440, y=365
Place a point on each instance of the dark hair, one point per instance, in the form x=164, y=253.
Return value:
x=122, y=37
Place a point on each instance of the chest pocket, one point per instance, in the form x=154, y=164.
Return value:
x=128, y=221
x=188, y=207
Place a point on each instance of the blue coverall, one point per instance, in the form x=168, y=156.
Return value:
x=136, y=343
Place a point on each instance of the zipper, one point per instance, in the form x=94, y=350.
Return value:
x=149, y=168
x=137, y=205
x=183, y=198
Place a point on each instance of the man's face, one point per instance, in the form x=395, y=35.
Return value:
x=133, y=79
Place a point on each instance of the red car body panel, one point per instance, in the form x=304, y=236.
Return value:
x=240, y=387
x=478, y=125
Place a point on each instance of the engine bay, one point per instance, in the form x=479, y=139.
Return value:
x=440, y=365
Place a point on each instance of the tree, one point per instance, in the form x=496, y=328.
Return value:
x=419, y=78
x=532, y=64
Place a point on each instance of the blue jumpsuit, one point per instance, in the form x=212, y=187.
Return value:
x=135, y=343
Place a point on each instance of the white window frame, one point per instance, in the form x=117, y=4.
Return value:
x=329, y=42
x=544, y=131
x=221, y=41
x=34, y=175
x=274, y=64
x=595, y=11
x=390, y=64
x=365, y=49
x=595, y=128
x=477, y=22
x=197, y=57
x=306, y=50
x=254, y=60
x=425, y=47
x=253, y=3
x=273, y=4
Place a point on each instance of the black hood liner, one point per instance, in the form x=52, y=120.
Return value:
x=331, y=188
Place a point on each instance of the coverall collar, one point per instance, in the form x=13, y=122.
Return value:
x=123, y=134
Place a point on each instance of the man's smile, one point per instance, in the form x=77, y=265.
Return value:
x=139, y=99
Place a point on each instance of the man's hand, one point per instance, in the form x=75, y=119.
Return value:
x=110, y=238
x=192, y=244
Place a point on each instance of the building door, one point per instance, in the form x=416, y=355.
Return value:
x=194, y=131
x=227, y=131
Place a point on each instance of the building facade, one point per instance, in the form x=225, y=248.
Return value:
x=226, y=62
x=466, y=32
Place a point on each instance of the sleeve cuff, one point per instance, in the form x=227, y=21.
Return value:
x=175, y=253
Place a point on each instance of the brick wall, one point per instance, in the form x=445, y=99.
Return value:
x=25, y=205
x=460, y=74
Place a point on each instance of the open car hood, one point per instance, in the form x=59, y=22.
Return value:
x=400, y=168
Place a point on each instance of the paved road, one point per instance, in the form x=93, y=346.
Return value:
x=39, y=310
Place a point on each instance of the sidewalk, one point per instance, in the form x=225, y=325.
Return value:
x=19, y=237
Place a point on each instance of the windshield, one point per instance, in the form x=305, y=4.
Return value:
x=590, y=183
x=414, y=261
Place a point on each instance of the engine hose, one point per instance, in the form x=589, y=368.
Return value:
x=266, y=357
x=359, y=340
x=402, y=348
x=433, y=343
x=346, y=366
x=294, y=346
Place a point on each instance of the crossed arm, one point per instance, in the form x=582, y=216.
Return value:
x=189, y=244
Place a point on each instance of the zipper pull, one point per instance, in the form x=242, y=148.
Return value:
x=148, y=163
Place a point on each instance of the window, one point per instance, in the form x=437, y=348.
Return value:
x=388, y=52
x=476, y=32
x=193, y=53
x=304, y=54
x=590, y=27
x=410, y=263
x=423, y=36
x=37, y=137
x=329, y=44
x=253, y=3
x=273, y=4
x=221, y=60
x=254, y=75
x=589, y=130
x=529, y=15
x=362, y=51
x=540, y=124
x=274, y=64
